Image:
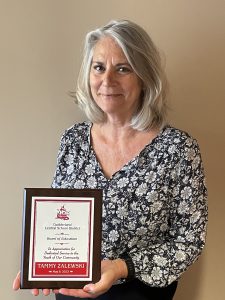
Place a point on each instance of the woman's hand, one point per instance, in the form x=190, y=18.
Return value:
x=35, y=292
x=111, y=271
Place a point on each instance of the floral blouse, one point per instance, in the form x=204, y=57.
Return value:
x=154, y=208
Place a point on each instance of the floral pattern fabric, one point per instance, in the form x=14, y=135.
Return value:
x=154, y=208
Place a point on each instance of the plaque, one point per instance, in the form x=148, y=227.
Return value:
x=61, y=238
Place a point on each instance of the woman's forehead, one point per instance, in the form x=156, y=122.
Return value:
x=106, y=48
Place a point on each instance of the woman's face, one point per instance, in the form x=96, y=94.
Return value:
x=114, y=85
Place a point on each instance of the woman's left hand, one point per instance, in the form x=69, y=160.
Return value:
x=111, y=271
x=35, y=292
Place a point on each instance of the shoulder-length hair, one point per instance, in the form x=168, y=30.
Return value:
x=144, y=58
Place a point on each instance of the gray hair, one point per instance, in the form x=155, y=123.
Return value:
x=144, y=58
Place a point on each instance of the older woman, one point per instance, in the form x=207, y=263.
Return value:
x=154, y=206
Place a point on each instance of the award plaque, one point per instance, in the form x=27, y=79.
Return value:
x=61, y=240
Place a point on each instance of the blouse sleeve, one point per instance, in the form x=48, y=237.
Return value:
x=60, y=176
x=163, y=262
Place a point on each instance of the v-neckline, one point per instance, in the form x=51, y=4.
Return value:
x=128, y=163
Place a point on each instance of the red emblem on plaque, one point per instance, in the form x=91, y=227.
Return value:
x=63, y=214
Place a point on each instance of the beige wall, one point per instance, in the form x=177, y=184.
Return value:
x=40, y=50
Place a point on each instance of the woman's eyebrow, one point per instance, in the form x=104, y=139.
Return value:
x=123, y=64
x=119, y=64
x=97, y=62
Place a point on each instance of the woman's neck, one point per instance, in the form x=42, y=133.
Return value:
x=115, y=131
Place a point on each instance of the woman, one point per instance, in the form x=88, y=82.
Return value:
x=154, y=206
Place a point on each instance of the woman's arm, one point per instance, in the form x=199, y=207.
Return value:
x=163, y=261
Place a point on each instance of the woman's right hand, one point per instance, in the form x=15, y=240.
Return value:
x=35, y=292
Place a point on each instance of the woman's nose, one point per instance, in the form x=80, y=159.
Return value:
x=108, y=78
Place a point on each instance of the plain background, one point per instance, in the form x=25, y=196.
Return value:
x=40, y=53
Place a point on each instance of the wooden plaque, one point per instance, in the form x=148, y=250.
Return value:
x=61, y=238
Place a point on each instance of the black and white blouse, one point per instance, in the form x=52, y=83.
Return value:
x=154, y=208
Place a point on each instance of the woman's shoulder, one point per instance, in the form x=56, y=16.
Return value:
x=77, y=132
x=78, y=128
x=178, y=139
x=176, y=135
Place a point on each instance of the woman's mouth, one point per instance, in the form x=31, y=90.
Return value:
x=109, y=95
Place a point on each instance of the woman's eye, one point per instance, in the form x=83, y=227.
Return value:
x=98, y=68
x=124, y=69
